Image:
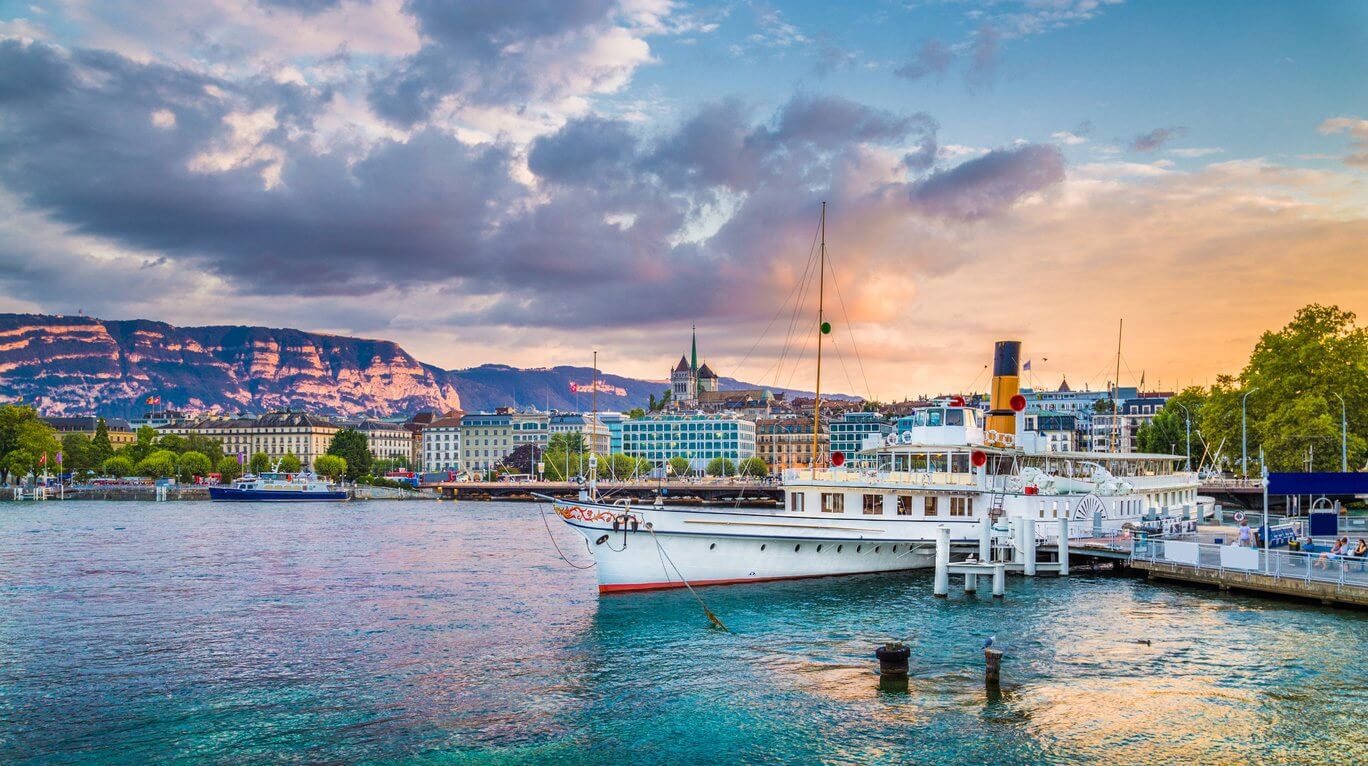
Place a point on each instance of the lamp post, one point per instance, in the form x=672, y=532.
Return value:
x=1188, y=428
x=1244, y=440
x=1344, y=436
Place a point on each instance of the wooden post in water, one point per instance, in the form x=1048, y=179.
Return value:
x=992, y=667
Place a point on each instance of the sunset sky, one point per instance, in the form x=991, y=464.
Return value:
x=523, y=182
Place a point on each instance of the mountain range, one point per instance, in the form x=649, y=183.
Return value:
x=80, y=364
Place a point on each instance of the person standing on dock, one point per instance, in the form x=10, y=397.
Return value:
x=1244, y=540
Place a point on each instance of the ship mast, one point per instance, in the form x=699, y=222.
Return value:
x=821, y=328
x=1116, y=392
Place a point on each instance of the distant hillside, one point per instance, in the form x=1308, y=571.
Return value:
x=83, y=364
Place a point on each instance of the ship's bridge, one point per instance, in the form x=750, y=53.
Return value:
x=942, y=426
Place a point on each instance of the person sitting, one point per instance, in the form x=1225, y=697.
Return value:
x=1360, y=552
x=1335, y=552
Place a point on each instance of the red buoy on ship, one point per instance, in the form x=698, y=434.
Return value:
x=838, y=458
x=1018, y=402
x=979, y=458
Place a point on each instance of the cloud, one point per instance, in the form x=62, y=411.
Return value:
x=1068, y=138
x=990, y=184
x=934, y=58
x=1357, y=128
x=983, y=56
x=1155, y=139
x=1196, y=151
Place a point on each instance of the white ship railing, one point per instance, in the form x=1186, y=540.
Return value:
x=1308, y=566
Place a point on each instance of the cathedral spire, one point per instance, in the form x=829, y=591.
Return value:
x=693, y=353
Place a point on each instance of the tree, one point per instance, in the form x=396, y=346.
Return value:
x=331, y=466
x=636, y=413
x=721, y=466
x=652, y=403
x=570, y=441
x=20, y=463
x=622, y=467
x=209, y=447
x=118, y=465
x=194, y=464
x=754, y=466
x=1168, y=430
x=260, y=462
x=101, y=446
x=228, y=469
x=22, y=431
x=146, y=443
x=289, y=463
x=351, y=445
x=78, y=453
x=680, y=466
x=157, y=464
x=562, y=465
x=523, y=459
x=1294, y=379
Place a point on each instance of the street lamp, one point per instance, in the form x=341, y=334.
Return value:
x=1344, y=436
x=1188, y=428
x=1244, y=440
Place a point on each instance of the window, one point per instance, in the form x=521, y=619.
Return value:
x=904, y=505
x=929, y=506
x=961, y=506
x=796, y=502
x=873, y=505
x=833, y=502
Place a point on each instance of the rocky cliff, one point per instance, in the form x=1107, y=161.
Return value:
x=81, y=365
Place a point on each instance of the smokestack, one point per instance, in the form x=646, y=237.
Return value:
x=1006, y=400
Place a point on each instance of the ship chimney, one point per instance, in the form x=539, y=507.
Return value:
x=1006, y=400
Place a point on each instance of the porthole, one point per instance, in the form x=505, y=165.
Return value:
x=839, y=547
x=714, y=545
x=796, y=547
x=762, y=546
x=859, y=548
x=819, y=549
x=895, y=549
x=876, y=549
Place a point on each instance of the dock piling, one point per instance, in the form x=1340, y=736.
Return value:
x=942, y=588
x=1028, y=537
x=985, y=540
x=1064, y=545
x=999, y=580
x=992, y=668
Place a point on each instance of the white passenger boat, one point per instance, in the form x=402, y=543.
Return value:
x=952, y=468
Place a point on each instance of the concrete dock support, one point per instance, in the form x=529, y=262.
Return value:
x=999, y=580
x=1064, y=545
x=1018, y=543
x=985, y=540
x=942, y=561
x=1028, y=535
x=970, y=583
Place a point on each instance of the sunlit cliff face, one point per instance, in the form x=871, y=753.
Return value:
x=522, y=183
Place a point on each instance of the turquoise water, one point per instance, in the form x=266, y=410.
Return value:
x=437, y=633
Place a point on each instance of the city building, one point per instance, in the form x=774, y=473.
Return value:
x=386, y=440
x=441, y=439
x=697, y=437
x=415, y=426
x=614, y=421
x=688, y=380
x=157, y=419
x=531, y=428
x=1116, y=432
x=1059, y=431
x=849, y=430
x=276, y=434
x=486, y=439
x=785, y=441
x=597, y=437
x=121, y=433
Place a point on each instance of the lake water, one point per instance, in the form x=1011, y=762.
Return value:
x=443, y=633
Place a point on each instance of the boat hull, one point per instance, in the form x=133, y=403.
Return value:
x=230, y=494
x=685, y=544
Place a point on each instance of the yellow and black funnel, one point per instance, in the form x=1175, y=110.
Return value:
x=1006, y=400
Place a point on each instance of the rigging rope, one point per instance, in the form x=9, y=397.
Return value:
x=542, y=514
x=711, y=617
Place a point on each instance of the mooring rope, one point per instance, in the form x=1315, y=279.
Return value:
x=542, y=514
x=711, y=617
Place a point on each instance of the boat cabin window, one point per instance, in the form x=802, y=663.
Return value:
x=961, y=506
x=954, y=417
x=929, y=506
x=873, y=505
x=796, y=502
x=904, y=505
x=833, y=502
x=959, y=462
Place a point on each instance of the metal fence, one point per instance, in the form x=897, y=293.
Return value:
x=1279, y=564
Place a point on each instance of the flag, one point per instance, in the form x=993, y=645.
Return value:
x=241, y=458
x=1026, y=367
x=59, y=458
x=42, y=459
x=154, y=400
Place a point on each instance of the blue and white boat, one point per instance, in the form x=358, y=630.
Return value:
x=277, y=487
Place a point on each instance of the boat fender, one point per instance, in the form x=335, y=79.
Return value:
x=635, y=524
x=602, y=539
x=616, y=522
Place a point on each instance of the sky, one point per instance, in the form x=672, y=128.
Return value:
x=526, y=182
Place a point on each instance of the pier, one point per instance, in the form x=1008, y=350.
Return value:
x=1279, y=572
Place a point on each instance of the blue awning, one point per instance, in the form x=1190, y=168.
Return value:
x=1318, y=483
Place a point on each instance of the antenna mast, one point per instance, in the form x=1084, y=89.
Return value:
x=821, y=328
x=1116, y=392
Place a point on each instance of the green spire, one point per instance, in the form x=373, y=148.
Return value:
x=693, y=355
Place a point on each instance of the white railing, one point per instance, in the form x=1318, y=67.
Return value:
x=1279, y=564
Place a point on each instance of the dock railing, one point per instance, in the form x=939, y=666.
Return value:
x=1278, y=564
